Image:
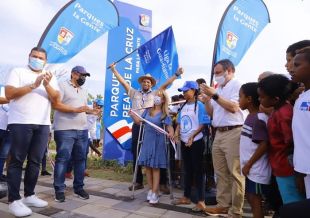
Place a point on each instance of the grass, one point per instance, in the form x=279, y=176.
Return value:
x=102, y=169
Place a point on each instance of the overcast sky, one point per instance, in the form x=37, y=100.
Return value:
x=194, y=23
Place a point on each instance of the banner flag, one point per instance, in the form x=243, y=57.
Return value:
x=159, y=56
x=241, y=23
x=135, y=29
x=75, y=26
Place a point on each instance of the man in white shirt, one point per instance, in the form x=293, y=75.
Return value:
x=222, y=105
x=30, y=91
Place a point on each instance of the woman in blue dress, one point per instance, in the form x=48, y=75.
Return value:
x=153, y=153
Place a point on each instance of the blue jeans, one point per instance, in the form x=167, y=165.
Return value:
x=70, y=143
x=28, y=140
x=5, y=144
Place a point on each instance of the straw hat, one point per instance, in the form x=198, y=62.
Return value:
x=149, y=77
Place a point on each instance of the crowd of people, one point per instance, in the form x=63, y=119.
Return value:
x=260, y=148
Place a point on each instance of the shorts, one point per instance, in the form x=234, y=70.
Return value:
x=256, y=188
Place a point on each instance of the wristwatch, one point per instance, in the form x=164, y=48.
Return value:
x=215, y=97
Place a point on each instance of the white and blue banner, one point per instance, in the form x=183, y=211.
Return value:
x=134, y=30
x=241, y=23
x=159, y=56
x=75, y=26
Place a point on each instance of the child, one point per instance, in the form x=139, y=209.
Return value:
x=191, y=120
x=153, y=153
x=274, y=91
x=253, y=149
x=301, y=119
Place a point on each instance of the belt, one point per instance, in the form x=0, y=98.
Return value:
x=227, y=128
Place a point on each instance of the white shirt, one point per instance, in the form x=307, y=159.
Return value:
x=301, y=130
x=34, y=107
x=189, y=120
x=254, y=130
x=222, y=117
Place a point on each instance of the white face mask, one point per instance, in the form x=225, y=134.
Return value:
x=220, y=79
x=157, y=100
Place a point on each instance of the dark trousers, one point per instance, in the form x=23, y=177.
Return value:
x=300, y=209
x=134, y=143
x=28, y=140
x=44, y=161
x=193, y=168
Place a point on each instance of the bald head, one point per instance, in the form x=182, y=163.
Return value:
x=264, y=75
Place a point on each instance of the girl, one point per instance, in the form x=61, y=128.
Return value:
x=153, y=153
x=253, y=149
x=274, y=91
x=191, y=119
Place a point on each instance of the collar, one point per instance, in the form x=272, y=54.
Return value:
x=71, y=84
x=148, y=92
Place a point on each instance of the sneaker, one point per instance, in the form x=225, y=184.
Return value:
x=137, y=187
x=34, y=201
x=149, y=195
x=82, y=194
x=45, y=173
x=154, y=198
x=18, y=209
x=68, y=176
x=216, y=211
x=60, y=197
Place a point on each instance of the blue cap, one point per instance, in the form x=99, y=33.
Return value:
x=189, y=85
x=81, y=70
x=99, y=102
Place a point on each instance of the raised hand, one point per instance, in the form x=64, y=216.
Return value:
x=47, y=78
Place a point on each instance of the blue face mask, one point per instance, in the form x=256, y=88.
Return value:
x=36, y=63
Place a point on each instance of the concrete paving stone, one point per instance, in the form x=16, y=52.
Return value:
x=112, y=213
x=110, y=190
x=133, y=215
x=150, y=211
x=106, y=202
x=121, y=186
x=174, y=214
x=90, y=209
x=92, y=198
x=94, y=187
x=93, y=181
x=68, y=214
x=4, y=214
x=68, y=204
x=129, y=206
x=48, y=211
x=40, y=188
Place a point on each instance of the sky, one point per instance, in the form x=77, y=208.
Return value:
x=194, y=24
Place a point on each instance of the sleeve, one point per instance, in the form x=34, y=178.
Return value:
x=285, y=125
x=178, y=117
x=168, y=120
x=235, y=92
x=203, y=117
x=13, y=79
x=54, y=83
x=131, y=92
x=259, y=132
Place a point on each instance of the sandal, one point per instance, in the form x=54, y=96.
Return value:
x=198, y=208
x=182, y=200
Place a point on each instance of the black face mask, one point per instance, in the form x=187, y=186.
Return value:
x=81, y=81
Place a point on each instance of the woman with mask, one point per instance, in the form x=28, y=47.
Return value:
x=153, y=155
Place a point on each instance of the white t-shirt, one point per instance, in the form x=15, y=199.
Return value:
x=301, y=130
x=34, y=107
x=253, y=131
x=189, y=120
x=222, y=117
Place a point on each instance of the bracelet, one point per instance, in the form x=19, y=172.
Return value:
x=177, y=74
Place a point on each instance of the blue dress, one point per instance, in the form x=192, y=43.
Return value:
x=154, y=150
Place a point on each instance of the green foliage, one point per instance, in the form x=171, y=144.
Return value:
x=98, y=163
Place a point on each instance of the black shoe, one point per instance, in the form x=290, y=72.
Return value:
x=45, y=173
x=137, y=187
x=60, y=197
x=82, y=194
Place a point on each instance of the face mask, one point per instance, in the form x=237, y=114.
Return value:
x=220, y=79
x=36, y=63
x=81, y=81
x=157, y=100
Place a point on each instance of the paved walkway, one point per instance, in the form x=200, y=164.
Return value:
x=107, y=199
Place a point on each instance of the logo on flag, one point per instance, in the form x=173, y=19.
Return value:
x=64, y=36
x=121, y=131
x=144, y=20
x=231, y=40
